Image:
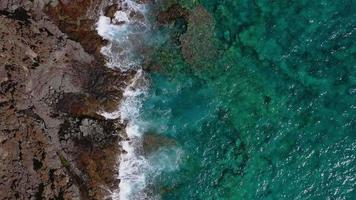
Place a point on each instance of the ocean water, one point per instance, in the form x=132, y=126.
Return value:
x=239, y=100
x=257, y=99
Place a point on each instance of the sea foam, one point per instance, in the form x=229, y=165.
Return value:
x=123, y=34
x=128, y=35
x=133, y=165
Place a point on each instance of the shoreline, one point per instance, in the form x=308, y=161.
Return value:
x=126, y=31
x=61, y=82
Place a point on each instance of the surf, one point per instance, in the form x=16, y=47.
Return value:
x=125, y=33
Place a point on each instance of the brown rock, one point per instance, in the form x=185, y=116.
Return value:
x=78, y=105
x=71, y=18
x=97, y=163
x=173, y=13
x=111, y=10
x=53, y=145
x=152, y=142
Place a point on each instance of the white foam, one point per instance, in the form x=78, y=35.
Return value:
x=120, y=52
x=121, y=17
x=110, y=115
x=133, y=165
x=125, y=35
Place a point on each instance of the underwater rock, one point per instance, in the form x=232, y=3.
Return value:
x=198, y=46
x=172, y=13
x=152, y=142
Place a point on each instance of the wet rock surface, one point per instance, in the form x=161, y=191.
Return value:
x=111, y=10
x=53, y=144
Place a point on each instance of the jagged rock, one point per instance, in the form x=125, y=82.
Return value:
x=53, y=144
x=72, y=18
x=111, y=10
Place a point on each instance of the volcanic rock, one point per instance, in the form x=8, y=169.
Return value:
x=53, y=144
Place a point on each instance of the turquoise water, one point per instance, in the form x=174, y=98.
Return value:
x=260, y=96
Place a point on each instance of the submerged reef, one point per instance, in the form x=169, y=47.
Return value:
x=260, y=98
x=177, y=99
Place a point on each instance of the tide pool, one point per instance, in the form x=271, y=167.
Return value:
x=260, y=99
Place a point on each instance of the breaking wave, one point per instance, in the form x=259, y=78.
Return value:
x=125, y=33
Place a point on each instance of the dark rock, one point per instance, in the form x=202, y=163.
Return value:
x=111, y=10
x=172, y=14
x=38, y=195
x=19, y=14
x=36, y=164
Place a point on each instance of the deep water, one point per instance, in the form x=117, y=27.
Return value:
x=266, y=106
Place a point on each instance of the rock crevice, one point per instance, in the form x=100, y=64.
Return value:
x=53, y=144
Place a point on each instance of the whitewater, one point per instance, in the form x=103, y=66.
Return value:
x=125, y=34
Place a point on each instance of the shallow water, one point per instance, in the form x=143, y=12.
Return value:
x=266, y=107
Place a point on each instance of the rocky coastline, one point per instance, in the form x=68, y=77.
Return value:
x=53, y=83
x=53, y=144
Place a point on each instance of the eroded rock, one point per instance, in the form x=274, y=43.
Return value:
x=53, y=144
x=74, y=18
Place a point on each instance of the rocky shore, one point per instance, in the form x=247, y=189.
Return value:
x=53, y=82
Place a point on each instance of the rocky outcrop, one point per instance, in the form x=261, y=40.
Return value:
x=77, y=18
x=53, y=144
x=170, y=15
x=193, y=33
x=198, y=42
x=152, y=142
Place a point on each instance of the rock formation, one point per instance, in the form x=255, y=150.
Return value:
x=53, y=144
